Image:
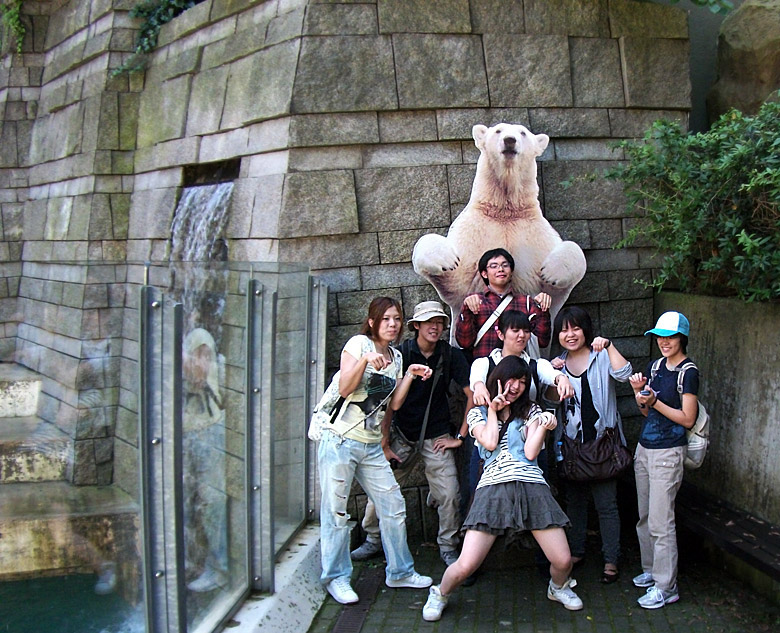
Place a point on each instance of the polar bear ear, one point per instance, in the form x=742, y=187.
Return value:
x=479, y=132
x=542, y=140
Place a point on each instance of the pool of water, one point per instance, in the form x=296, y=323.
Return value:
x=65, y=604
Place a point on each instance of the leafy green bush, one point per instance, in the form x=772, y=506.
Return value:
x=710, y=203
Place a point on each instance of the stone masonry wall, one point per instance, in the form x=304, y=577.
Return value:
x=352, y=122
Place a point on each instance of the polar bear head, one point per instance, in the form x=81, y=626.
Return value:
x=509, y=143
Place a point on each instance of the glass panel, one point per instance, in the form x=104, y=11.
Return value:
x=290, y=381
x=213, y=439
x=69, y=458
x=69, y=553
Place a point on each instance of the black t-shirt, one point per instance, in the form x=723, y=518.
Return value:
x=410, y=416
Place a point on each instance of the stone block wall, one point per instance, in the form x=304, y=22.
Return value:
x=352, y=123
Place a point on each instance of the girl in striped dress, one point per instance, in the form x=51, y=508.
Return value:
x=512, y=496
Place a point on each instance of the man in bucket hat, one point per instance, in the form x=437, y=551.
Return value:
x=441, y=439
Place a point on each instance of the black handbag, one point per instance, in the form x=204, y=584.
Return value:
x=407, y=451
x=595, y=460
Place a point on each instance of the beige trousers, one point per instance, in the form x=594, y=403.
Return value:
x=659, y=473
x=444, y=495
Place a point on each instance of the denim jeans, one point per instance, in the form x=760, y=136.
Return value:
x=205, y=501
x=605, y=499
x=339, y=461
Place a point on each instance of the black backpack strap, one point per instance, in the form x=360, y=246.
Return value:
x=447, y=352
x=491, y=367
x=406, y=352
x=535, y=378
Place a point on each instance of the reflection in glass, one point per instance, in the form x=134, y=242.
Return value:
x=205, y=499
x=69, y=550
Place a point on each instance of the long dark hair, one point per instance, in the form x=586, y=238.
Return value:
x=376, y=310
x=512, y=367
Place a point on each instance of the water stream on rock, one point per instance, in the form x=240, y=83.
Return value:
x=197, y=235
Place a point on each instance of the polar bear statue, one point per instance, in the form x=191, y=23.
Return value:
x=503, y=211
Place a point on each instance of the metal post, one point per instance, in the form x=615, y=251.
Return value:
x=317, y=366
x=261, y=334
x=159, y=419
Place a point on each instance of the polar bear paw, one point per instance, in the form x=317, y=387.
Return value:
x=564, y=267
x=433, y=255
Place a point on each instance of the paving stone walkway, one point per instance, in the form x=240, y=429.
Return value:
x=514, y=600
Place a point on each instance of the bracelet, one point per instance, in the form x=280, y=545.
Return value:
x=408, y=373
x=607, y=344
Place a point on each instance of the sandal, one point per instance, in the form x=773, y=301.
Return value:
x=609, y=575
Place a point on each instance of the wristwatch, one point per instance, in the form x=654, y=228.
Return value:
x=459, y=437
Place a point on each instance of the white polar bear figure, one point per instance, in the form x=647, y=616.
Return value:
x=503, y=212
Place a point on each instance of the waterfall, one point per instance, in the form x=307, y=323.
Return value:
x=198, y=250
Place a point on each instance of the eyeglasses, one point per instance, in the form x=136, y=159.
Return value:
x=504, y=266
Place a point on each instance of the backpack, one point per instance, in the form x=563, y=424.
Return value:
x=698, y=435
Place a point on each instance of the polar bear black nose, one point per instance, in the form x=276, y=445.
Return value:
x=510, y=141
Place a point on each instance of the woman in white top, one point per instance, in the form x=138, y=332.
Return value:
x=514, y=330
x=512, y=496
x=370, y=377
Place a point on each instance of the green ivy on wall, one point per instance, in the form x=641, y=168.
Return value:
x=12, y=22
x=154, y=14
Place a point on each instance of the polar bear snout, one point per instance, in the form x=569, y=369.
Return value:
x=510, y=146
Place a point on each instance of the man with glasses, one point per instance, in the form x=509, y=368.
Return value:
x=496, y=267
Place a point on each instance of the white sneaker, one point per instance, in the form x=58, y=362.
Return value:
x=367, y=550
x=412, y=581
x=342, y=591
x=209, y=580
x=644, y=579
x=656, y=598
x=106, y=579
x=435, y=605
x=565, y=595
x=449, y=556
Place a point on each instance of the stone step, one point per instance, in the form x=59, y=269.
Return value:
x=19, y=390
x=52, y=528
x=33, y=450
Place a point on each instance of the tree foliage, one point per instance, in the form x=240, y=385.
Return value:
x=710, y=203
x=154, y=14
x=10, y=10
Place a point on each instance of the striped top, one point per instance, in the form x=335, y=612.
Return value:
x=505, y=467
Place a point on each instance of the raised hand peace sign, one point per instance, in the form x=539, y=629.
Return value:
x=500, y=401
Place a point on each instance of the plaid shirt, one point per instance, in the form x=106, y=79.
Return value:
x=468, y=323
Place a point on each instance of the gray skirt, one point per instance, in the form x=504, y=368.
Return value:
x=514, y=507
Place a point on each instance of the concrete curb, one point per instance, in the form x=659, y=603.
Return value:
x=299, y=593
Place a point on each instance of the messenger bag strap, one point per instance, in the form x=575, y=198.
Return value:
x=436, y=376
x=493, y=318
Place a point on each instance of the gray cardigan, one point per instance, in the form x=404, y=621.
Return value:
x=603, y=390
